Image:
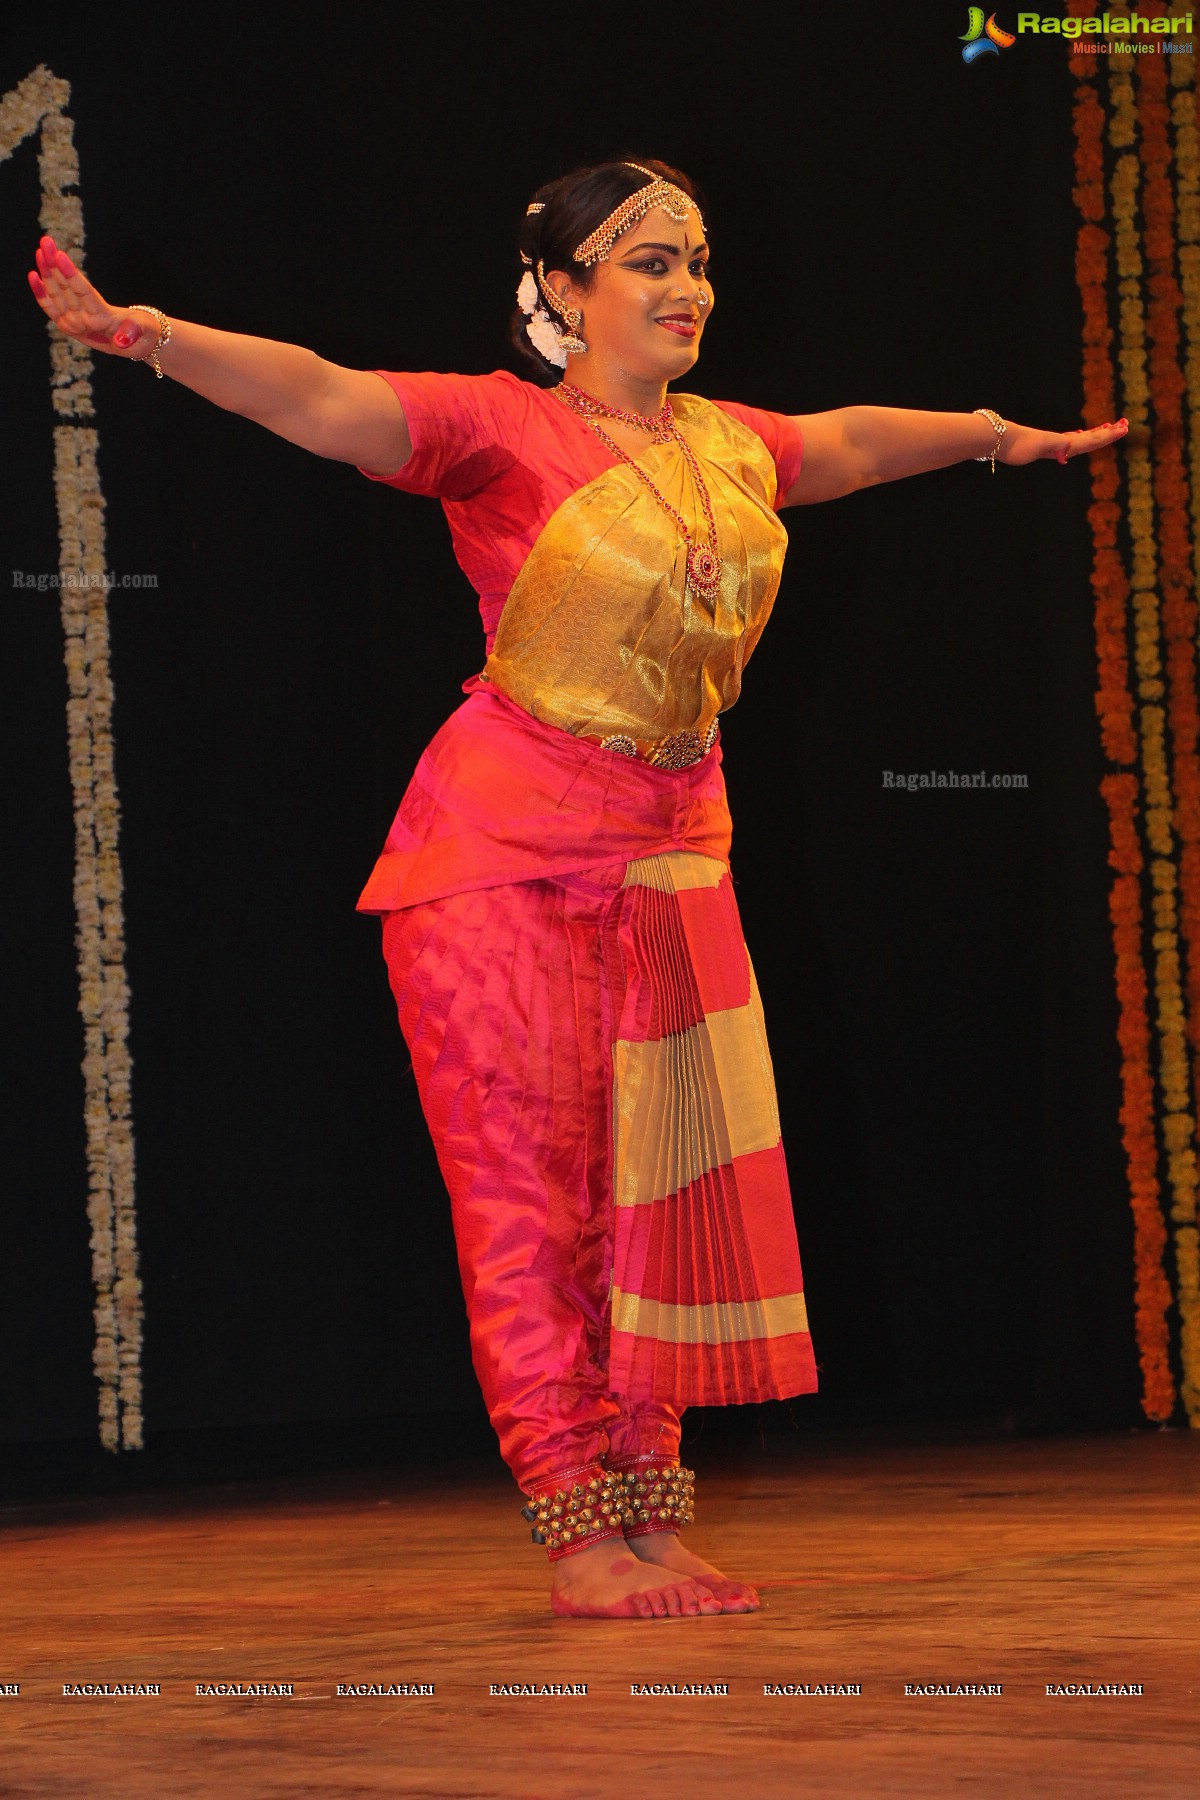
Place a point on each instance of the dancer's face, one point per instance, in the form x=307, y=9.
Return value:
x=643, y=312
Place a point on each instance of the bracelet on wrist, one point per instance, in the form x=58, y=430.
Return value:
x=999, y=427
x=164, y=336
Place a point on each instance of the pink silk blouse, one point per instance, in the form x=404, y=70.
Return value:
x=500, y=795
x=502, y=454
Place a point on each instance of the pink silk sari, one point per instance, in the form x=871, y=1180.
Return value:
x=498, y=797
x=571, y=977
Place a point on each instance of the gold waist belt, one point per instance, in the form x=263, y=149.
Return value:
x=677, y=751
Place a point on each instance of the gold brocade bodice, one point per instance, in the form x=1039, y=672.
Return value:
x=600, y=634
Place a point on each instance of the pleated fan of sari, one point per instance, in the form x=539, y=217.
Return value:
x=707, y=1293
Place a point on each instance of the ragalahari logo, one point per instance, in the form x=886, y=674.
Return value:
x=984, y=37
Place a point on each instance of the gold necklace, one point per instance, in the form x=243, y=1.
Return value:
x=702, y=567
x=588, y=407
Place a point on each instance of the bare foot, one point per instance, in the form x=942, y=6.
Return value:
x=607, y=1582
x=664, y=1549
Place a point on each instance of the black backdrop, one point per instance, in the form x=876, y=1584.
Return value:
x=889, y=226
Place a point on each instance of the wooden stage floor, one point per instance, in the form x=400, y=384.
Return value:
x=1023, y=1563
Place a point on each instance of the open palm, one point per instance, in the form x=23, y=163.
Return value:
x=68, y=298
x=1025, y=445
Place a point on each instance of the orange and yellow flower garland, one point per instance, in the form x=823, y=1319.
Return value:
x=1150, y=726
x=1181, y=1001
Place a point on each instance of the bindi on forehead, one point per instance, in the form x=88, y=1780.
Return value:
x=669, y=244
x=657, y=224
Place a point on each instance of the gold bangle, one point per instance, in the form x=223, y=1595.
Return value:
x=164, y=335
x=999, y=427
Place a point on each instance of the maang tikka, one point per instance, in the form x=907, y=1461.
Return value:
x=657, y=192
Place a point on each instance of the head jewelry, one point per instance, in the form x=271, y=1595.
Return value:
x=674, y=202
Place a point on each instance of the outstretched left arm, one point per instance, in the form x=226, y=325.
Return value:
x=857, y=447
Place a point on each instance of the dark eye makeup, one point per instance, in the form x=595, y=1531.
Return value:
x=654, y=265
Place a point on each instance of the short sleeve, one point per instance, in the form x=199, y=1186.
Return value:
x=466, y=430
x=782, y=436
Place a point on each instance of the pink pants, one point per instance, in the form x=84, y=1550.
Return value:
x=505, y=1008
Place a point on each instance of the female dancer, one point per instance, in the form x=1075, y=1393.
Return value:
x=558, y=920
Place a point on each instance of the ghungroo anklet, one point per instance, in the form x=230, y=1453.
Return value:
x=658, y=1496
x=574, y=1517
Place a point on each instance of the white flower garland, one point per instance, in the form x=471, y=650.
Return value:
x=540, y=328
x=39, y=102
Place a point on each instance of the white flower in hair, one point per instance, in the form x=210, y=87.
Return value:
x=527, y=293
x=542, y=334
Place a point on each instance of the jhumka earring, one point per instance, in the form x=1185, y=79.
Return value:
x=571, y=316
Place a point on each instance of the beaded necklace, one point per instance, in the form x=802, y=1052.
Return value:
x=588, y=407
x=703, y=563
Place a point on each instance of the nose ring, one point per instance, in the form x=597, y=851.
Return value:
x=702, y=297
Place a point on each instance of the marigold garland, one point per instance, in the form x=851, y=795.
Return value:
x=37, y=106
x=1138, y=270
x=1152, y=1294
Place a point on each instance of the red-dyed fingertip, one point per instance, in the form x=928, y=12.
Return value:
x=37, y=284
x=1060, y=456
x=64, y=262
x=128, y=334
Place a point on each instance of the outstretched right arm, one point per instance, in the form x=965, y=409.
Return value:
x=349, y=415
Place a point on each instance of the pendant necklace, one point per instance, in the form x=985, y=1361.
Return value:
x=703, y=562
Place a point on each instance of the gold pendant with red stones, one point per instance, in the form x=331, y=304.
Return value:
x=703, y=570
